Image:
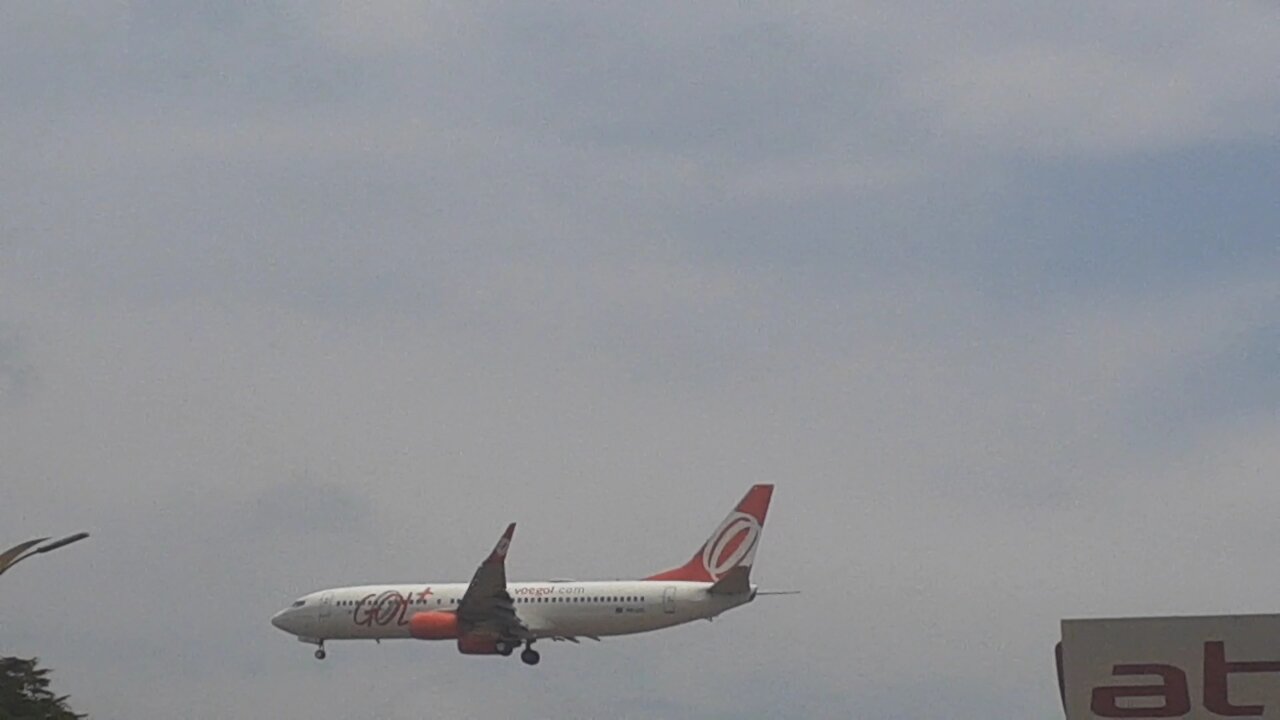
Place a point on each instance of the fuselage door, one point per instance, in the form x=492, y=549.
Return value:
x=326, y=604
x=669, y=600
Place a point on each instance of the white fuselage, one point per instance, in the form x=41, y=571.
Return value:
x=558, y=609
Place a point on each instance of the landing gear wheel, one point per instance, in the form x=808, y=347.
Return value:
x=530, y=656
x=504, y=648
x=320, y=654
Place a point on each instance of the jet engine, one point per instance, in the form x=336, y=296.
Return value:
x=434, y=625
x=476, y=644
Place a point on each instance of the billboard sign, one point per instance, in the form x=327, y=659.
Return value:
x=1195, y=668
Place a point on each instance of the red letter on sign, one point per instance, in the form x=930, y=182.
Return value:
x=1216, y=670
x=1172, y=689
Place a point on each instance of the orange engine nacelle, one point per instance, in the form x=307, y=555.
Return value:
x=434, y=625
x=474, y=644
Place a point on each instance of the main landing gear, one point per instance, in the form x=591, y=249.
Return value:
x=530, y=656
x=504, y=647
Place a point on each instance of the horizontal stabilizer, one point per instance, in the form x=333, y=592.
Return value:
x=734, y=582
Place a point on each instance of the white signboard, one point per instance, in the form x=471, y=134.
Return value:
x=1195, y=668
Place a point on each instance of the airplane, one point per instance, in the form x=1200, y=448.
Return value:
x=490, y=616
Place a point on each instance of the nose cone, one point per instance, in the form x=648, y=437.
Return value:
x=281, y=620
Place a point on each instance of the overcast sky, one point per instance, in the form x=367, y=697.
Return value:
x=305, y=294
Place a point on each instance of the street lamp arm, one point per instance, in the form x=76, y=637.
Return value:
x=15, y=554
x=11, y=556
x=63, y=542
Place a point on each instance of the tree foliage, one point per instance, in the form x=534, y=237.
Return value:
x=25, y=694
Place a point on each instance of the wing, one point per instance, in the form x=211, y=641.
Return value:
x=486, y=607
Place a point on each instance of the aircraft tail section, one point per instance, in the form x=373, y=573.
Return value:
x=731, y=546
x=734, y=582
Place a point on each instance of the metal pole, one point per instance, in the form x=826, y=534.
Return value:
x=15, y=554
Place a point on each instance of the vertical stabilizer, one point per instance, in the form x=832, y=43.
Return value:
x=732, y=545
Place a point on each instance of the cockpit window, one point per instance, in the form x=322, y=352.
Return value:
x=298, y=603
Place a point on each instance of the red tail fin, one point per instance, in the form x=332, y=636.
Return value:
x=733, y=544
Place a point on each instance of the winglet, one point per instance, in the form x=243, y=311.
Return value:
x=499, y=553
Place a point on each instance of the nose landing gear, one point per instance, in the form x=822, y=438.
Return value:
x=320, y=654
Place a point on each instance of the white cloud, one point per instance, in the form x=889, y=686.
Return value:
x=1126, y=80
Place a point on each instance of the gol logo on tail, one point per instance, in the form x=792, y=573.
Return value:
x=722, y=553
